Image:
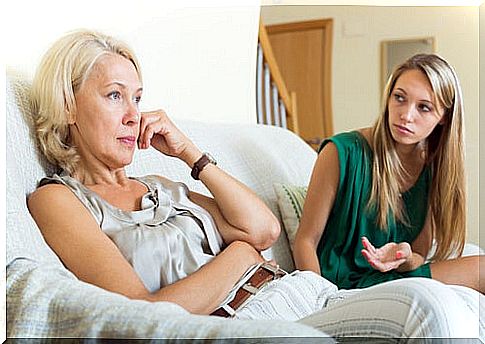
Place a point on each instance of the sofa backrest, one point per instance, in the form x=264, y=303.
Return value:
x=257, y=155
x=25, y=166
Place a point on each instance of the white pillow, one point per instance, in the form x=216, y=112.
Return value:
x=290, y=203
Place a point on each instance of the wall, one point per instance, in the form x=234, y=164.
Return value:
x=358, y=31
x=197, y=61
x=482, y=122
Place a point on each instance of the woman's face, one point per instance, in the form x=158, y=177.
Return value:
x=106, y=124
x=413, y=109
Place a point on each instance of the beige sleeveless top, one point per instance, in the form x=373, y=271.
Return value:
x=168, y=239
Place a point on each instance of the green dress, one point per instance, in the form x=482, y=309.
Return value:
x=339, y=249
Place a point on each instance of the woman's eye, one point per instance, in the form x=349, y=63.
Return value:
x=115, y=95
x=398, y=98
x=425, y=108
x=137, y=99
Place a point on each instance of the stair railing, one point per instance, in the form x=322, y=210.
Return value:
x=275, y=104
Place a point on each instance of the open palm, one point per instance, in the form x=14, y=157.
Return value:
x=388, y=257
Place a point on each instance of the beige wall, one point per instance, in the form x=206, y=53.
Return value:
x=358, y=31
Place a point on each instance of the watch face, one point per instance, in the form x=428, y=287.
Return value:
x=211, y=158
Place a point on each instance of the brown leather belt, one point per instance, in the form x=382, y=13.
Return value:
x=264, y=274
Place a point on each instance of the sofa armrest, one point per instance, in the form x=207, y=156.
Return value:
x=48, y=301
x=469, y=250
x=472, y=250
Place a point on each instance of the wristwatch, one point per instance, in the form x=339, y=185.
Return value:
x=200, y=164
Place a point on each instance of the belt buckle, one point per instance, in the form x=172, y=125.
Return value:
x=275, y=270
x=276, y=273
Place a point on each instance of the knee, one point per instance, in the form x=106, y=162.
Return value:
x=434, y=308
x=420, y=293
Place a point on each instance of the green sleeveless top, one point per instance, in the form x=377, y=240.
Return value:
x=339, y=249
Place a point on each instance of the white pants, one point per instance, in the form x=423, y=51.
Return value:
x=409, y=308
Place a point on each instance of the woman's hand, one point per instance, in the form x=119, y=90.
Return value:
x=157, y=130
x=388, y=257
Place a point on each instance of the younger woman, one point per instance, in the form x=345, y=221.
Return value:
x=380, y=196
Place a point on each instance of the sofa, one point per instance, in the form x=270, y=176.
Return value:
x=44, y=299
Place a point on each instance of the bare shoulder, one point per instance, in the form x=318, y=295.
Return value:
x=367, y=134
x=54, y=205
x=48, y=194
x=329, y=153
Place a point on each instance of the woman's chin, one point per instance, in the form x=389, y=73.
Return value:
x=125, y=160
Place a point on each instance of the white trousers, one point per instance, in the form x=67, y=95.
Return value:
x=407, y=308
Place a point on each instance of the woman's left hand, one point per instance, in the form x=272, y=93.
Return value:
x=157, y=130
x=388, y=257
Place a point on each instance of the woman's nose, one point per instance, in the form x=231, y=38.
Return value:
x=408, y=113
x=132, y=114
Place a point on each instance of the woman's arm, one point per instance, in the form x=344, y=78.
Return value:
x=420, y=248
x=318, y=204
x=238, y=212
x=259, y=235
x=71, y=231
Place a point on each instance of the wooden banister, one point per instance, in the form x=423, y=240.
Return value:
x=288, y=99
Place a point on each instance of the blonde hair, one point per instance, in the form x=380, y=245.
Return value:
x=62, y=71
x=444, y=151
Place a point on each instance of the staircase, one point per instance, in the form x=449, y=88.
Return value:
x=275, y=104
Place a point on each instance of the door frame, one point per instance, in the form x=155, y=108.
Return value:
x=327, y=26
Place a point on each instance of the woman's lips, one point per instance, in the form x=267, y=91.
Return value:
x=128, y=140
x=403, y=129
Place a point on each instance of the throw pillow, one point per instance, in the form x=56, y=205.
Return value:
x=290, y=203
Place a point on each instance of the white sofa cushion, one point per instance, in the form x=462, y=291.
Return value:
x=24, y=168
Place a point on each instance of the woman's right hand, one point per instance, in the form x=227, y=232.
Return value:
x=158, y=131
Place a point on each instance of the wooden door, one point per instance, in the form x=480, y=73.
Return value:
x=303, y=53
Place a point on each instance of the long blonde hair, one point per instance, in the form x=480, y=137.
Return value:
x=444, y=152
x=62, y=71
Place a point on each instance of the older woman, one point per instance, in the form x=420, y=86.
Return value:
x=151, y=238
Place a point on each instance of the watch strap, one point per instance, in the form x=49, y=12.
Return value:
x=200, y=165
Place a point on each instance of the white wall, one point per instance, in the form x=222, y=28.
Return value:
x=358, y=31
x=198, y=58
x=482, y=122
